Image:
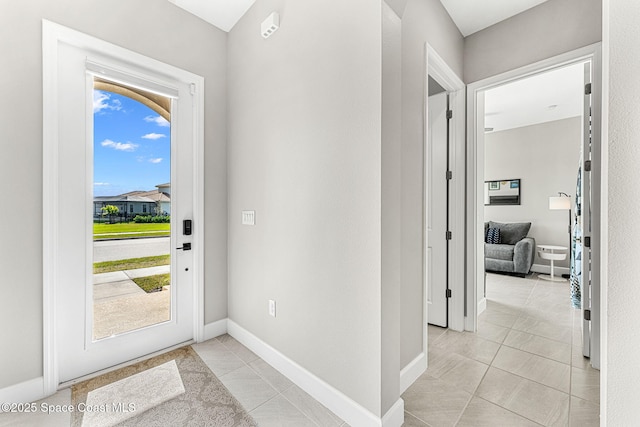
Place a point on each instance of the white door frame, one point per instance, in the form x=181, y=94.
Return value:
x=52, y=35
x=438, y=69
x=475, y=174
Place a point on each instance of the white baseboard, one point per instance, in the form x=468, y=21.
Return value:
x=410, y=373
x=214, y=329
x=340, y=404
x=546, y=269
x=482, y=305
x=24, y=392
x=395, y=415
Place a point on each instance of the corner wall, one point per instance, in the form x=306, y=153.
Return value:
x=305, y=154
x=549, y=29
x=156, y=29
x=545, y=157
x=422, y=22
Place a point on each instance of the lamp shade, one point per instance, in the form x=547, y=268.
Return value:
x=559, y=203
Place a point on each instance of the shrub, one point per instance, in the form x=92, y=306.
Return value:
x=142, y=219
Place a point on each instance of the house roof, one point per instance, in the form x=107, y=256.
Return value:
x=138, y=196
x=124, y=198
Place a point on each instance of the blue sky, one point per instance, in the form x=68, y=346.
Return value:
x=132, y=145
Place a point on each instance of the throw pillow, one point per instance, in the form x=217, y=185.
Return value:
x=512, y=233
x=493, y=236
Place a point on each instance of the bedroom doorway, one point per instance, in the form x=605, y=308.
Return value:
x=561, y=169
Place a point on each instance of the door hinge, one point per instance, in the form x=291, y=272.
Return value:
x=587, y=89
x=448, y=293
x=587, y=315
x=448, y=235
x=449, y=114
x=449, y=175
x=192, y=88
x=587, y=241
x=587, y=165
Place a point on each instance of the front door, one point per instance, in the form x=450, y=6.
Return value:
x=122, y=184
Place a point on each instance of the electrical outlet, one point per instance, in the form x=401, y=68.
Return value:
x=272, y=308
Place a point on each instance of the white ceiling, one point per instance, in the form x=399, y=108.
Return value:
x=222, y=13
x=474, y=15
x=529, y=101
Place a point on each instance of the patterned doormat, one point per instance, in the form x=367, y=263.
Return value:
x=205, y=401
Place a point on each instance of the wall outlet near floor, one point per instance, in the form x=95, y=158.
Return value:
x=272, y=308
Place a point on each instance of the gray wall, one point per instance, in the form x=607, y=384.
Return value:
x=549, y=29
x=305, y=154
x=621, y=377
x=156, y=29
x=545, y=157
x=423, y=21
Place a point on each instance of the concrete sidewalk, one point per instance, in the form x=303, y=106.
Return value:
x=120, y=305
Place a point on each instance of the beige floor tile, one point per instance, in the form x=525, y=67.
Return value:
x=585, y=384
x=492, y=332
x=506, y=320
x=434, y=332
x=457, y=370
x=539, y=369
x=469, y=345
x=411, y=421
x=556, y=350
x=217, y=357
x=279, y=412
x=271, y=375
x=310, y=407
x=526, y=398
x=39, y=417
x=481, y=413
x=238, y=349
x=578, y=360
x=543, y=328
x=248, y=387
x=434, y=401
x=583, y=413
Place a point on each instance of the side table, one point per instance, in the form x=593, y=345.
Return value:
x=552, y=253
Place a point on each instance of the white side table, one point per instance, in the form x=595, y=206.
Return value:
x=552, y=253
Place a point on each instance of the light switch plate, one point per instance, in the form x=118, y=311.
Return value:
x=248, y=217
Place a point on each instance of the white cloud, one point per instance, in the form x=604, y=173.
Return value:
x=155, y=161
x=102, y=101
x=159, y=120
x=101, y=184
x=154, y=136
x=120, y=146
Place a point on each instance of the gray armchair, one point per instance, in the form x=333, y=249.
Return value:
x=514, y=253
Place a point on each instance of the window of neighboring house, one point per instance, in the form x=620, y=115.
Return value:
x=144, y=208
x=130, y=208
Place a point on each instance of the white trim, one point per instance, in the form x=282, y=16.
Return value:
x=340, y=404
x=395, y=415
x=546, y=269
x=482, y=305
x=52, y=35
x=410, y=373
x=475, y=167
x=214, y=329
x=27, y=391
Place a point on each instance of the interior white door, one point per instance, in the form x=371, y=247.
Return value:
x=79, y=353
x=437, y=154
x=587, y=275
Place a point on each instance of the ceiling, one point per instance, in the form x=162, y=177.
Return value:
x=554, y=95
x=474, y=15
x=469, y=15
x=222, y=13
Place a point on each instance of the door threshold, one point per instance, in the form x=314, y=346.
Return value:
x=75, y=381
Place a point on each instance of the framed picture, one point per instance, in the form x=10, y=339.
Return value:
x=494, y=185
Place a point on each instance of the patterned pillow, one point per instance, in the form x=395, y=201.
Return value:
x=493, y=236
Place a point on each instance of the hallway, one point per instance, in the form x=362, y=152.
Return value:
x=523, y=367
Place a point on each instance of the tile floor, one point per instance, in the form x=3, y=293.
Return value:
x=524, y=367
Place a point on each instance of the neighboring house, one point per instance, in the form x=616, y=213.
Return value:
x=154, y=202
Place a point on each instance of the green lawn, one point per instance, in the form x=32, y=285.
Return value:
x=131, y=264
x=153, y=283
x=129, y=230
